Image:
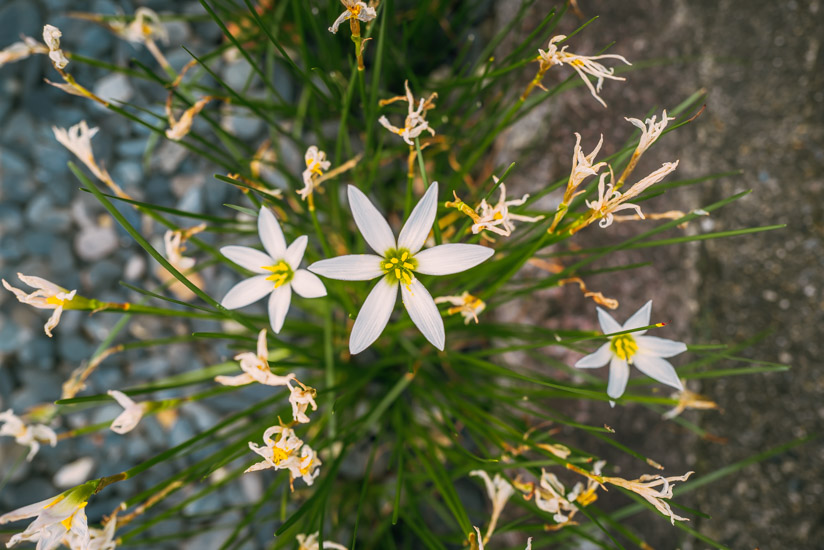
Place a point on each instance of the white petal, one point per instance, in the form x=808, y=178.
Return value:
x=294, y=254
x=608, y=324
x=661, y=347
x=354, y=267
x=279, y=302
x=248, y=258
x=446, y=259
x=424, y=312
x=127, y=420
x=373, y=315
x=308, y=285
x=420, y=221
x=239, y=380
x=122, y=399
x=618, y=376
x=639, y=319
x=247, y=292
x=657, y=369
x=26, y=511
x=371, y=223
x=594, y=360
x=270, y=234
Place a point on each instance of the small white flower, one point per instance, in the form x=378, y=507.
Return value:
x=358, y=10
x=582, y=165
x=280, y=450
x=584, y=65
x=78, y=140
x=415, y=123
x=466, y=304
x=145, y=26
x=316, y=163
x=310, y=542
x=51, y=36
x=256, y=368
x=301, y=397
x=277, y=269
x=499, y=491
x=47, y=296
x=396, y=265
x=498, y=218
x=30, y=436
x=650, y=130
x=57, y=517
x=307, y=468
x=131, y=415
x=646, y=353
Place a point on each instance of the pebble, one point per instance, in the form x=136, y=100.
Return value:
x=114, y=87
x=74, y=473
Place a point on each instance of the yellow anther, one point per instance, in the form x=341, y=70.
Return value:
x=281, y=273
x=404, y=256
x=305, y=470
x=398, y=273
x=407, y=265
x=394, y=260
x=54, y=300
x=624, y=346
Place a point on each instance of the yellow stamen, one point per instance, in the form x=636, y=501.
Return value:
x=54, y=301
x=281, y=273
x=624, y=346
x=55, y=501
x=305, y=470
x=398, y=273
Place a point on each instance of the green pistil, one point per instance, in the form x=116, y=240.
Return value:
x=623, y=347
x=399, y=264
x=281, y=273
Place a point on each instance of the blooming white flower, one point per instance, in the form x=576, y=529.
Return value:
x=47, y=296
x=466, y=304
x=31, y=435
x=415, y=123
x=301, y=397
x=583, y=64
x=498, y=218
x=51, y=36
x=646, y=353
x=316, y=163
x=57, y=517
x=256, y=368
x=396, y=265
x=131, y=415
x=358, y=10
x=278, y=272
x=310, y=542
x=21, y=50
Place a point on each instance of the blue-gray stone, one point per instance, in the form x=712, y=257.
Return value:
x=39, y=353
x=10, y=332
x=104, y=274
x=128, y=173
x=16, y=18
x=11, y=221
x=95, y=42
x=39, y=243
x=149, y=368
x=15, y=176
x=131, y=148
x=72, y=348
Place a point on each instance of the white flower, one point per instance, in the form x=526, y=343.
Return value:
x=57, y=517
x=180, y=128
x=145, y=26
x=358, y=10
x=47, y=296
x=582, y=165
x=301, y=397
x=21, y=50
x=466, y=304
x=256, y=368
x=310, y=542
x=131, y=415
x=31, y=435
x=498, y=490
x=396, y=265
x=646, y=353
x=51, y=36
x=610, y=200
x=650, y=130
x=99, y=539
x=173, y=242
x=415, y=123
x=307, y=467
x=497, y=218
x=480, y=542
x=279, y=452
x=584, y=65
x=78, y=140
x=316, y=163
x=278, y=272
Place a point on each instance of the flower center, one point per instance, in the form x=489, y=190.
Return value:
x=314, y=166
x=624, y=346
x=281, y=273
x=305, y=469
x=279, y=455
x=399, y=265
x=355, y=10
x=54, y=301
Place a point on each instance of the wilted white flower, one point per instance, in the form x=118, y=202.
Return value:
x=499, y=491
x=131, y=415
x=99, y=539
x=646, y=353
x=357, y=10
x=498, y=218
x=396, y=265
x=280, y=450
x=146, y=25
x=47, y=296
x=551, y=496
x=180, y=127
x=466, y=304
x=610, y=200
x=21, y=50
x=51, y=36
x=29, y=435
x=278, y=272
x=307, y=467
x=479, y=543
x=316, y=163
x=584, y=65
x=57, y=517
x=256, y=368
x=310, y=542
x=173, y=242
x=301, y=397
x=415, y=123
x=78, y=140
x=650, y=130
